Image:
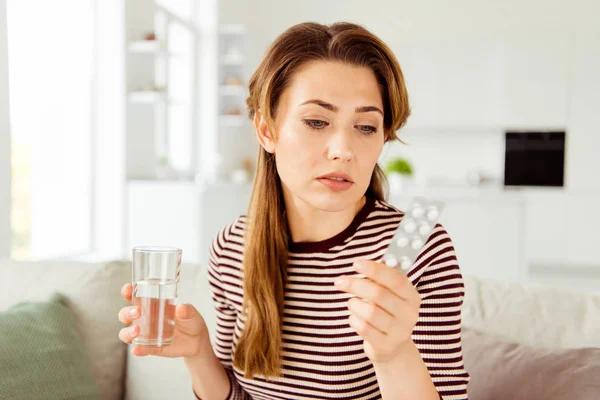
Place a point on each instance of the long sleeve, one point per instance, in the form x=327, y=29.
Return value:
x=437, y=334
x=226, y=315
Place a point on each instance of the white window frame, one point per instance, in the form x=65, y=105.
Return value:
x=5, y=156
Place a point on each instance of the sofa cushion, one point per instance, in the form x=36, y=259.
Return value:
x=93, y=291
x=532, y=314
x=42, y=349
x=504, y=370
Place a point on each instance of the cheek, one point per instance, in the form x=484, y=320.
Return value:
x=369, y=155
x=295, y=157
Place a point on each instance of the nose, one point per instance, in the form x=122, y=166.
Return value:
x=340, y=146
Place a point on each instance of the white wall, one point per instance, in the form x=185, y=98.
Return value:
x=5, y=175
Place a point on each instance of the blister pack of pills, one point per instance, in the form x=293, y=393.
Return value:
x=412, y=234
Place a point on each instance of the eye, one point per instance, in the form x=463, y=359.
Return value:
x=369, y=129
x=315, y=123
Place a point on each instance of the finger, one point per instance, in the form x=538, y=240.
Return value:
x=142, y=351
x=365, y=330
x=371, y=313
x=128, y=314
x=397, y=282
x=128, y=334
x=126, y=291
x=368, y=290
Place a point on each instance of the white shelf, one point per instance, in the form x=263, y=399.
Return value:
x=232, y=120
x=233, y=90
x=147, y=96
x=149, y=47
x=145, y=46
x=183, y=180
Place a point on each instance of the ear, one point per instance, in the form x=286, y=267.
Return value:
x=265, y=138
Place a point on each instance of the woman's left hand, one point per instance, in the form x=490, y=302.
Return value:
x=387, y=319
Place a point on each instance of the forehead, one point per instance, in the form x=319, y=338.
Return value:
x=344, y=85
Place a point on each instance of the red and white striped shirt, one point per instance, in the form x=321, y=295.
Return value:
x=323, y=357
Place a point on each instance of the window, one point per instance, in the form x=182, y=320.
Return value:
x=50, y=57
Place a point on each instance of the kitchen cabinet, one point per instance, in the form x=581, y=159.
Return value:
x=561, y=228
x=583, y=140
x=583, y=220
x=517, y=78
x=536, y=76
x=546, y=226
x=469, y=81
x=454, y=81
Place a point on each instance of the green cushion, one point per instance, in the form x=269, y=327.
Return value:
x=41, y=355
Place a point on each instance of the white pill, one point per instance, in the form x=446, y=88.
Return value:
x=402, y=241
x=418, y=212
x=417, y=243
x=405, y=264
x=410, y=227
x=433, y=214
x=424, y=229
x=391, y=262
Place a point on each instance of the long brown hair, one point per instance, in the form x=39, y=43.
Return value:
x=266, y=235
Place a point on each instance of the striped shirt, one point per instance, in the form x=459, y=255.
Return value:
x=322, y=356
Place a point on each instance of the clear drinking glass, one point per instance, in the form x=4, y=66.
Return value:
x=155, y=280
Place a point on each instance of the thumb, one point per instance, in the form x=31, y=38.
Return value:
x=189, y=320
x=186, y=312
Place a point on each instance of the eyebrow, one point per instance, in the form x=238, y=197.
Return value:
x=333, y=108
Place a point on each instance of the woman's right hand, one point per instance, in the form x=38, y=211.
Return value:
x=189, y=337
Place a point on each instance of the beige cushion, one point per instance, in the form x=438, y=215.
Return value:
x=93, y=289
x=502, y=370
x=532, y=314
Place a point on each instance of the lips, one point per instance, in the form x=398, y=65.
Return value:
x=337, y=176
x=336, y=181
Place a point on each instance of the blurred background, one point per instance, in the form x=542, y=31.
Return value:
x=123, y=123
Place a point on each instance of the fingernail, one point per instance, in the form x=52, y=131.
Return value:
x=360, y=265
x=132, y=329
x=341, y=282
x=133, y=312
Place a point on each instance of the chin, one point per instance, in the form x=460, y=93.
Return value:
x=334, y=201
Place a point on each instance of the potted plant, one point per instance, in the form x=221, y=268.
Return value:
x=399, y=172
x=163, y=168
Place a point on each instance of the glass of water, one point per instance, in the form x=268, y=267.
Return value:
x=155, y=280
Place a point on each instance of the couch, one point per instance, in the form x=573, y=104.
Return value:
x=508, y=328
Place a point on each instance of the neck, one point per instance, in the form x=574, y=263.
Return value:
x=310, y=224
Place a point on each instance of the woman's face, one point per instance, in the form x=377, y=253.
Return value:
x=329, y=121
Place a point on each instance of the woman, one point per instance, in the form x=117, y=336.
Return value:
x=324, y=101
